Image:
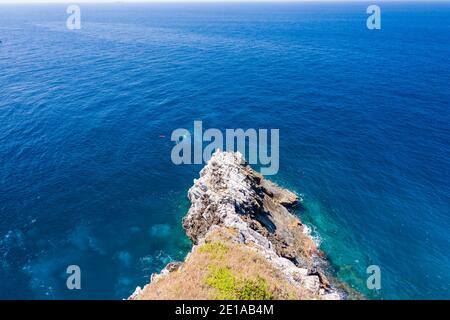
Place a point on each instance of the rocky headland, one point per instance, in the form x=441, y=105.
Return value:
x=247, y=243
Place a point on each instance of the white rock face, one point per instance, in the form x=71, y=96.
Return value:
x=136, y=293
x=231, y=194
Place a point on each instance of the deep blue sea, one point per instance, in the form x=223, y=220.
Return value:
x=86, y=118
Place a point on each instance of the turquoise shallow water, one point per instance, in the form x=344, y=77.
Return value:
x=86, y=116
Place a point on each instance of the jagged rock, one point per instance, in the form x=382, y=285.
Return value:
x=312, y=283
x=136, y=293
x=230, y=195
x=229, y=192
x=173, y=266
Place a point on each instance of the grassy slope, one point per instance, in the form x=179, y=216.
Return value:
x=222, y=269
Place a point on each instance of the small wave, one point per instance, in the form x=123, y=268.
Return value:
x=313, y=234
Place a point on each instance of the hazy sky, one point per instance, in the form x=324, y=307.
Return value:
x=109, y=1
x=106, y=1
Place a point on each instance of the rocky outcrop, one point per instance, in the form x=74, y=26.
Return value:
x=233, y=201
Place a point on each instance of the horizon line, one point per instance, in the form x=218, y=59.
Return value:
x=207, y=1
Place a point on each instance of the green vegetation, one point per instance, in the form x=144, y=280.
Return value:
x=231, y=287
x=217, y=250
x=223, y=269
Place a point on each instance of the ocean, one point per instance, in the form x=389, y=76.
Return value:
x=86, y=176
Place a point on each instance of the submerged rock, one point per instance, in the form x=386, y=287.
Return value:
x=238, y=208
